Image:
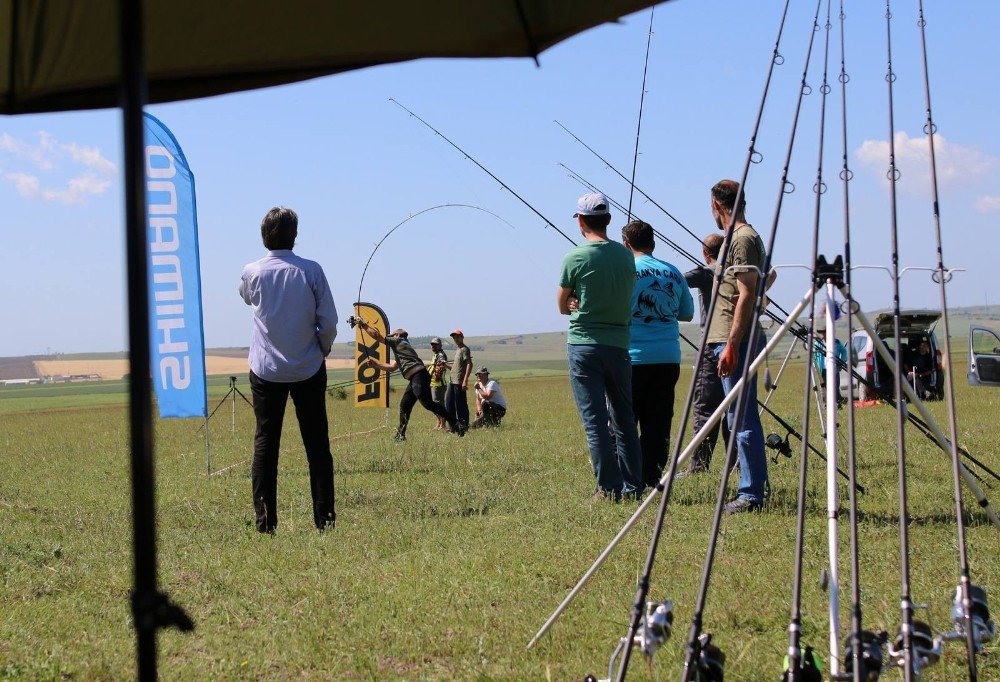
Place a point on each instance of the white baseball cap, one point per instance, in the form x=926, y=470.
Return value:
x=594, y=203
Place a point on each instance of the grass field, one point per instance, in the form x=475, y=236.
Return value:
x=448, y=554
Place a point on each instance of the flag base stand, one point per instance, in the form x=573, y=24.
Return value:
x=233, y=391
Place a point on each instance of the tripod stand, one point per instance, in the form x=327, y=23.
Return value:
x=233, y=391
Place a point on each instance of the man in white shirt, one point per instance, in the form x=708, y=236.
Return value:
x=491, y=405
x=294, y=325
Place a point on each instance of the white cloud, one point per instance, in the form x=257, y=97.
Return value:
x=988, y=204
x=49, y=155
x=957, y=164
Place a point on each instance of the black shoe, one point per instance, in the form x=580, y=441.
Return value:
x=743, y=504
x=399, y=437
x=460, y=429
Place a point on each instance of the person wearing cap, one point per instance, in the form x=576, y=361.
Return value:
x=595, y=289
x=491, y=405
x=456, y=398
x=437, y=368
x=415, y=372
x=294, y=325
x=660, y=299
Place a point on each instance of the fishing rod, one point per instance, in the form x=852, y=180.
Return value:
x=802, y=666
x=698, y=660
x=785, y=187
x=485, y=170
x=969, y=621
x=859, y=659
x=904, y=650
x=638, y=125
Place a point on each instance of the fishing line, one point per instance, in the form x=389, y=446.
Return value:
x=965, y=580
x=696, y=647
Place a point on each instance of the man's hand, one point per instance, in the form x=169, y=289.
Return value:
x=729, y=359
x=370, y=362
x=573, y=304
x=465, y=385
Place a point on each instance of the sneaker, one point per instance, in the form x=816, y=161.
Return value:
x=399, y=437
x=460, y=429
x=743, y=504
x=694, y=468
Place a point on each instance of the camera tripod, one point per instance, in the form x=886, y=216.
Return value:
x=233, y=391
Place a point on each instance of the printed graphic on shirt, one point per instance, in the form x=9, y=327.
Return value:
x=654, y=302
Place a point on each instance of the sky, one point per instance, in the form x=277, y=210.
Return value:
x=354, y=165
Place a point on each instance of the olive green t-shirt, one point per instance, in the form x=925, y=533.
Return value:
x=406, y=357
x=602, y=277
x=747, y=248
x=463, y=358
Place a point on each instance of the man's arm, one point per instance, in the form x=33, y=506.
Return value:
x=385, y=367
x=685, y=312
x=326, y=314
x=563, y=299
x=244, y=288
x=746, y=286
x=468, y=373
x=372, y=331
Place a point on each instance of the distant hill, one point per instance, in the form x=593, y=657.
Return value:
x=510, y=354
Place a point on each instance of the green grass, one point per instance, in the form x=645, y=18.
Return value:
x=448, y=554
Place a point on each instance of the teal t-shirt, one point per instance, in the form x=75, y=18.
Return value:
x=602, y=276
x=661, y=297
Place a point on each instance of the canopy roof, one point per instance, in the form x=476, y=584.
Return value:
x=61, y=55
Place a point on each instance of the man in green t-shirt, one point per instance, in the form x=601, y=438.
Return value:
x=729, y=338
x=413, y=370
x=595, y=290
x=456, y=398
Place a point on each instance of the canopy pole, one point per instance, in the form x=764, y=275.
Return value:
x=150, y=609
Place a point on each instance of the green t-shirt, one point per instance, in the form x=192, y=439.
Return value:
x=602, y=277
x=747, y=248
x=463, y=358
x=406, y=357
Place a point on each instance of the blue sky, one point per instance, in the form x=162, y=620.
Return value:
x=353, y=165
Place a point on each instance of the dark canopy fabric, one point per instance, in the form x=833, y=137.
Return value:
x=63, y=54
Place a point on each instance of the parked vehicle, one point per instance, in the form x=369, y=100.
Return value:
x=984, y=357
x=914, y=326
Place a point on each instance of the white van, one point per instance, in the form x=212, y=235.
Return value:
x=984, y=357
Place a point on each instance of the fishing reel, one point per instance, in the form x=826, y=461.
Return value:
x=983, y=627
x=655, y=628
x=354, y=321
x=926, y=647
x=872, y=658
x=711, y=662
x=810, y=667
x=780, y=445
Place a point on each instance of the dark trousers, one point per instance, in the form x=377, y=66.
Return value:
x=708, y=395
x=269, y=400
x=653, y=405
x=419, y=389
x=456, y=401
x=492, y=415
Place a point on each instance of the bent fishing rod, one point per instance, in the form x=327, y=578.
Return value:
x=487, y=171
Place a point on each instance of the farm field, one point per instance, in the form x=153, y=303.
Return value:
x=448, y=553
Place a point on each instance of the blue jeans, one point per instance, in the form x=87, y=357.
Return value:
x=601, y=379
x=750, y=437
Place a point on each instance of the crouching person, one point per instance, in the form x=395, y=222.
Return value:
x=491, y=405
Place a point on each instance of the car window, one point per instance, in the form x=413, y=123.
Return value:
x=985, y=342
x=858, y=344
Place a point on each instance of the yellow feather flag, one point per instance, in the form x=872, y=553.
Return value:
x=371, y=385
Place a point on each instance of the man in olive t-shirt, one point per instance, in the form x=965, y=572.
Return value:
x=456, y=398
x=595, y=290
x=729, y=337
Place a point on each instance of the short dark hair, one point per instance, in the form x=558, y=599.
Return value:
x=713, y=244
x=279, y=228
x=597, y=223
x=725, y=192
x=639, y=235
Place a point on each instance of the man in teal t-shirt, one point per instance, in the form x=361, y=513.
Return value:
x=595, y=290
x=661, y=298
